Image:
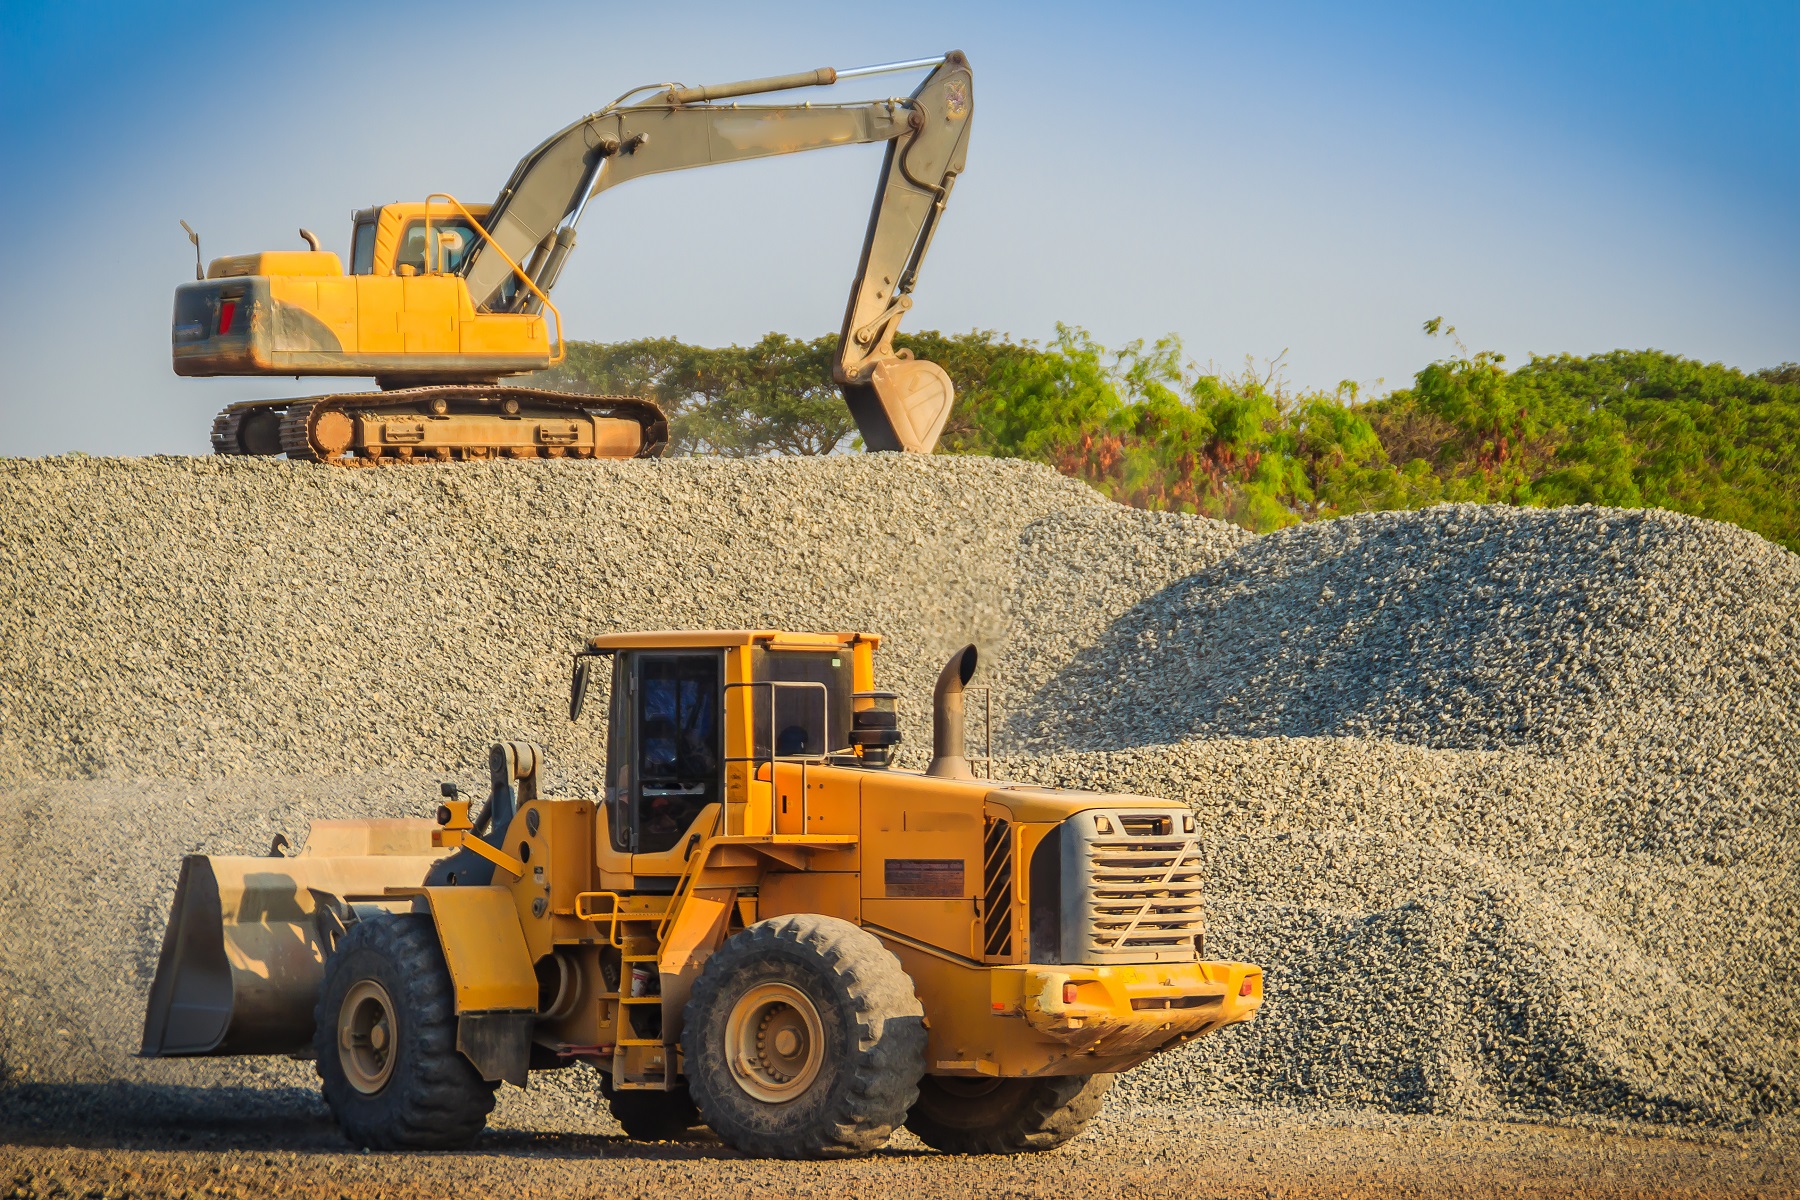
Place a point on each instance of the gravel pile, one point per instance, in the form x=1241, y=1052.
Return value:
x=207, y=617
x=1505, y=801
x=1463, y=626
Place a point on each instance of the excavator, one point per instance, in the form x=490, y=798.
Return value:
x=445, y=300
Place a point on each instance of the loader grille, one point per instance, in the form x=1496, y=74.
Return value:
x=1140, y=900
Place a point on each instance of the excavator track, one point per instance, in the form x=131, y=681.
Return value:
x=253, y=427
x=443, y=423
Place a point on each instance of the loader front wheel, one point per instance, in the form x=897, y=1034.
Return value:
x=1004, y=1116
x=385, y=1042
x=803, y=1039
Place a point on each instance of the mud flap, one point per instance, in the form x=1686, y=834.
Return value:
x=499, y=1044
x=903, y=406
x=244, y=953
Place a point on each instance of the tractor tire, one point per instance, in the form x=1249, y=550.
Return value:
x=803, y=1039
x=385, y=1042
x=652, y=1116
x=1004, y=1116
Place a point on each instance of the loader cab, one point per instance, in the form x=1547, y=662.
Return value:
x=671, y=741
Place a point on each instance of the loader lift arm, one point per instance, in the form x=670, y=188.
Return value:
x=898, y=403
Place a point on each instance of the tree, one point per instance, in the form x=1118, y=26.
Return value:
x=1147, y=427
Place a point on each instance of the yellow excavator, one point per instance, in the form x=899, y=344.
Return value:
x=444, y=300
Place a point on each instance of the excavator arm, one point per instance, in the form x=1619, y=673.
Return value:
x=898, y=403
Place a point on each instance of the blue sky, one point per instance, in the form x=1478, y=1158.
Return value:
x=1315, y=179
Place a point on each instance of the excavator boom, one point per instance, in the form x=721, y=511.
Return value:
x=898, y=404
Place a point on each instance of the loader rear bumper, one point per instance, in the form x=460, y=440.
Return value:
x=1129, y=1010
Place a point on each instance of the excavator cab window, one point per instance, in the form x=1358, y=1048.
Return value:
x=454, y=234
x=663, y=763
x=362, y=249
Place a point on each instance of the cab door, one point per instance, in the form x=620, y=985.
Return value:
x=665, y=763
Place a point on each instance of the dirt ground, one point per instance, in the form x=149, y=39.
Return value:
x=108, y=1142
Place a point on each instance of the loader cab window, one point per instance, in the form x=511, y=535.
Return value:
x=457, y=237
x=807, y=721
x=666, y=747
x=362, y=249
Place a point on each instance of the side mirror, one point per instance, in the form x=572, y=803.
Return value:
x=578, y=685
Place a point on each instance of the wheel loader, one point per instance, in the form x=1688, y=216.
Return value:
x=761, y=923
x=444, y=300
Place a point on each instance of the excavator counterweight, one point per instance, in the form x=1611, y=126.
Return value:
x=443, y=301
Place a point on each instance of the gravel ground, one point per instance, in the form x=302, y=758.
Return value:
x=221, y=1149
x=1504, y=800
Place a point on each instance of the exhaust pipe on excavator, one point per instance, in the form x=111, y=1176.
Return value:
x=949, y=758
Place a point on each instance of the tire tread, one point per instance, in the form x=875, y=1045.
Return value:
x=436, y=1099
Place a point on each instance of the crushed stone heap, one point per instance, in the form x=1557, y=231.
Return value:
x=1504, y=800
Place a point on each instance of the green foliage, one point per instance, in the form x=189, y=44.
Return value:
x=1627, y=428
x=1149, y=428
x=775, y=397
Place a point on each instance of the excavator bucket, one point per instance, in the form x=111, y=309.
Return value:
x=244, y=954
x=903, y=406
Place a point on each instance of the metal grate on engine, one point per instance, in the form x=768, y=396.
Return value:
x=1132, y=888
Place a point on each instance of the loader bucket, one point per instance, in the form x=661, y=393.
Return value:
x=903, y=406
x=244, y=954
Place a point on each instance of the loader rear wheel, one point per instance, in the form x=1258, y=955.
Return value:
x=1004, y=1116
x=648, y=1116
x=385, y=1041
x=803, y=1039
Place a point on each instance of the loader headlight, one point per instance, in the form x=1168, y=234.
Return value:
x=1187, y=822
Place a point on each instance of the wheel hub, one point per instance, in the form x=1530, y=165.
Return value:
x=366, y=1036
x=775, y=1042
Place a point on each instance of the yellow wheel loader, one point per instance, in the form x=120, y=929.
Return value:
x=444, y=300
x=763, y=925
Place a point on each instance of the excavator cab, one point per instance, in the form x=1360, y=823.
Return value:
x=390, y=237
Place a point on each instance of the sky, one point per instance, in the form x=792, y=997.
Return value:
x=1308, y=182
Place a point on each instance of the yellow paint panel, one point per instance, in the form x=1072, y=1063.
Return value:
x=301, y=293
x=701, y=920
x=276, y=262
x=831, y=804
x=947, y=924
x=378, y=302
x=484, y=946
x=428, y=315
x=336, y=307
x=828, y=893
x=504, y=333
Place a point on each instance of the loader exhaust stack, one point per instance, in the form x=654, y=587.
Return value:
x=949, y=759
